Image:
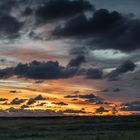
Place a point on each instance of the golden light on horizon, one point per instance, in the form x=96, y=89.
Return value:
x=54, y=93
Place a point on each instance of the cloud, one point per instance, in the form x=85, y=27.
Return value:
x=5, y=73
x=7, y=5
x=101, y=110
x=131, y=106
x=116, y=90
x=55, y=9
x=43, y=70
x=13, y=91
x=94, y=74
x=24, y=106
x=14, y=112
x=17, y=101
x=87, y=96
x=3, y=99
x=28, y=11
x=12, y=109
x=74, y=27
x=60, y=103
x=91, y=99
x=79, y=51
x=53, y=70
x=68, y=72
x=76, y=62
x=9, y=26
x=31, y=101
x=95, y=101
x=88, y=99
x=39, y=97
x=71, y=96
x=84, y=96
x=72, y=111
x=123, y=68
x=42, y=104
x=39, y=71
x=106, y=30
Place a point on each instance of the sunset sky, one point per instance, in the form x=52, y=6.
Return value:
x=69, y=57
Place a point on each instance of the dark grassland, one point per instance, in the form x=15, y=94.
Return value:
x=71, y=128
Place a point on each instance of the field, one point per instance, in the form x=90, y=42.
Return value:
x=71, y=128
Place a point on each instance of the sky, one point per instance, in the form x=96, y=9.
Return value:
x=69, y=57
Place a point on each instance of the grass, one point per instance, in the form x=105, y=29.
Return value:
x=71, y=128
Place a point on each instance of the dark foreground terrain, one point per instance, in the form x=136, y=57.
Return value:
x=71, y=128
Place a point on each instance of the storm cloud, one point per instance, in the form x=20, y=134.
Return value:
x=53, y=70
x=9, y=25
x=94, y=74
x=55, y=9
x=39, y=70
x=123, y=68
x=76, y=62
x=105, y=29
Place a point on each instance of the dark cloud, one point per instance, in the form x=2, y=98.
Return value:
x=116, y=90
x=43, y=70
x=91, y=99
x=87, y=96
x=101, y=110
x=84, y=96
x=72, y=111
x=68, y=72
x=71, y=96
x=60, y=103
x=91, y=73
x=131, y=106
x=74, y=99
x=39, y=81
x=7, y=5
x=39, y=97
x=94, y=74
x=31, y=101
x=28, y=11
x=39, y=70
x=3, y=99
x=76, y=62
x=53, y=70
x=12, y=109
x=14, y=112
x=5, y=73
x=54, y=9
x=41, y=104
x=74, y=27
x=88, y=99
x=105, y=90
x=9, y=26
x=24, y=106
x=114, y=110
x=126, y=67
x=95, y=101
x=13, y=91
x=123, y=68
x=17, y=101
x=79, y=51
x=107, y=30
